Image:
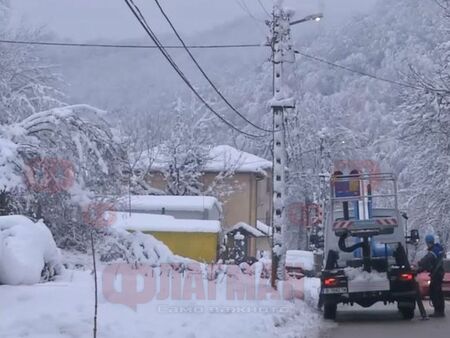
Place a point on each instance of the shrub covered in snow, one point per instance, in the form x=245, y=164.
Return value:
x=134, y=248
x=28, y=253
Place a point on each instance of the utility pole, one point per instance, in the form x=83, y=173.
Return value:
x=281, y=102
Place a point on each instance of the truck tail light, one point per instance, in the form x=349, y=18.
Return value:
x=406, y=277
x=330, y=281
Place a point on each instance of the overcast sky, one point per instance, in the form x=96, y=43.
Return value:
x=111, y=19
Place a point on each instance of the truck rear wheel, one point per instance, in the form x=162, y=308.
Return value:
x=329, y=311
x=407, y=311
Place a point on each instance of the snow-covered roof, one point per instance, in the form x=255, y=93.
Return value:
x=160, y=223
x=220, y=158
x=244, y=226
x=224, y=157
x=169, y=203
x=264, y=228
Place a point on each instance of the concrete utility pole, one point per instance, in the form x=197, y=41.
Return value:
x=283, y=52
x=282, y=100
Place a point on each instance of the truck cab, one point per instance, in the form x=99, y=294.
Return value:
x=365, y=255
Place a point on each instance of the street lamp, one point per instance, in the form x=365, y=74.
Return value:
x=312, y=17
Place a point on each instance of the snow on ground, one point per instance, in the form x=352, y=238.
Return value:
x=311, y=291
x=25, y=248
x=64, y=309
x=172, y=298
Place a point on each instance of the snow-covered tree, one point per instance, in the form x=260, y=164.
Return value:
x=27, y=83
x=424, y=130
x=55, y=163
x=186, y=151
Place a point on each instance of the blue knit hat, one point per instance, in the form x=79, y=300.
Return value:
x=429, y=239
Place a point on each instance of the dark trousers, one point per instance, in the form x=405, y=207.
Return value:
x=436, y=295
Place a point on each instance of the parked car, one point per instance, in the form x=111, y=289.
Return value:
x=446, y=282
x=424, y=281
x=300, y=263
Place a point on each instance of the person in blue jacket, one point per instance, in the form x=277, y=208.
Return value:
x=433, y=263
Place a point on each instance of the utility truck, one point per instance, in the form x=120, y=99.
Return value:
x=365, y=253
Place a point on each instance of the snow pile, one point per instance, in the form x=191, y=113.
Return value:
x=300, y=259
x=27, y=249
x=311, y=289
x=163, y=223
x=359, y=275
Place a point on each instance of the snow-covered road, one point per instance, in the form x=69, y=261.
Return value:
x=382, y=321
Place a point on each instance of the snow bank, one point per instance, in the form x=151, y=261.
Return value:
x=311, y=291
x=300, y=259
x=26, y=250
x=164, y=223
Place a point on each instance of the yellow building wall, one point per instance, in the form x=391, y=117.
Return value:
x=201, y=246
x=250, y=200
x=238, y=205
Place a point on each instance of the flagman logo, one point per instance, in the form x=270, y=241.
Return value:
x=362, y=166
x=130, y=286
x=99, y=214
x=304, y=215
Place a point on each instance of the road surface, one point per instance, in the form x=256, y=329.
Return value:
x=382, y=321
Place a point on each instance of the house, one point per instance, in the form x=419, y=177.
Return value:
x=196, y=239
x=181, y=207
x=246, y=193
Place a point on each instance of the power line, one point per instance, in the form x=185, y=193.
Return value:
x=200, y=68
x=402, y=84
x=106, y=45
x=264, y=9
x=137, y=13
x=245, y=8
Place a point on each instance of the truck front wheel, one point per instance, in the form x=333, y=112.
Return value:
x=329, y=311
